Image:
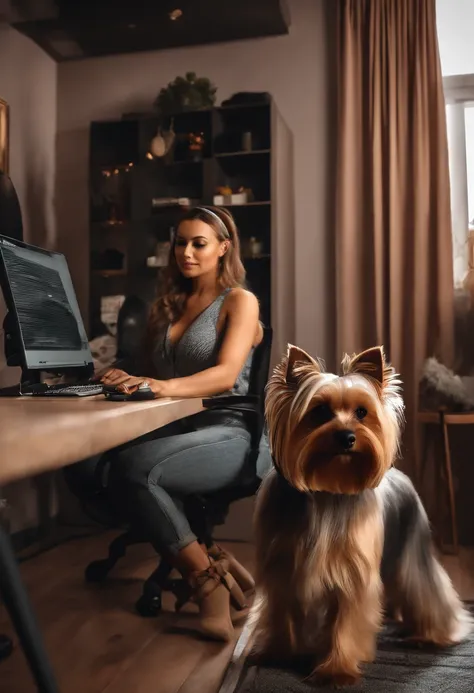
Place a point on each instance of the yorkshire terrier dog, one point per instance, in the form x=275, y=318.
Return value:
x=341, y=534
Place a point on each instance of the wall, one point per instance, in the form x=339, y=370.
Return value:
x=292, y=68
x=28, y=83
x=28, y=80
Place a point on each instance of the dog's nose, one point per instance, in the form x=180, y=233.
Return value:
x=345, y=438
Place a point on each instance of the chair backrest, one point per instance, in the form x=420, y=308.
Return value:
x=261, y=365
x=257, y=384
x=131, y=326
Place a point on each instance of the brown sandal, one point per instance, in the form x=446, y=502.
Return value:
x=213, y=590
x=183, y=591
x=236, y=569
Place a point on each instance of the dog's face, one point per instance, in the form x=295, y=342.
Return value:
x=331, y=433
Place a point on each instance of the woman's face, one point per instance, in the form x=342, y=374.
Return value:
x=197, y=248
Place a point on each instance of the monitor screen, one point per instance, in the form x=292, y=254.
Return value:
x=39, y=287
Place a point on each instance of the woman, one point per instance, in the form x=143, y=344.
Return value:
x=202, y=331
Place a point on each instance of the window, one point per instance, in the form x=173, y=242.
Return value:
x=459, y=94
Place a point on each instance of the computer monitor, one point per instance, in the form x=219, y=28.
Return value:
x=44, y=329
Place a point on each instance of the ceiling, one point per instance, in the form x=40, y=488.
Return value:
x=67, y=31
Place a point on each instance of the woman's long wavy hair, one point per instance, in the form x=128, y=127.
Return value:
x=174, y=288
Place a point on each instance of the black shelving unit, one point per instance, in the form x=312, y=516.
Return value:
x=246, y=147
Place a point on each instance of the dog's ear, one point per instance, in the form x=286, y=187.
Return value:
x=370, y=362
x=295, y=358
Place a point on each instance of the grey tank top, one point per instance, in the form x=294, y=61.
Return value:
x=197, y=349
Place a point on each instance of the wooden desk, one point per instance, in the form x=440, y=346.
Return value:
x=41, y=434
x=38, y=434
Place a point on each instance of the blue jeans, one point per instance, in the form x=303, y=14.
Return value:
x=151, y=476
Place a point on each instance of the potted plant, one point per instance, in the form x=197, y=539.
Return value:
x=188, y=93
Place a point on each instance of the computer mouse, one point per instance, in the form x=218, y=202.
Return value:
x=142, y=393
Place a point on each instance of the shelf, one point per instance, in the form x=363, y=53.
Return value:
x=95, y=225
x=174, y=203
x=265, y=203
x=110, y=273
x=250, y=105
x=187, y=162
x=251, y=152
x=111, y=224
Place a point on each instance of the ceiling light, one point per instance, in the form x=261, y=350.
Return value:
x=175, y=14
x=131, y=26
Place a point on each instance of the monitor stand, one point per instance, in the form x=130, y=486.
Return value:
x=12, y=350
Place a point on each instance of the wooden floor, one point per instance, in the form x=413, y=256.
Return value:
x=98, y=643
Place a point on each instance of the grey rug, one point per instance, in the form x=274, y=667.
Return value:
x=398, y=668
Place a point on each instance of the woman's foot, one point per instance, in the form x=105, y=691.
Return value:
x=236, y=569
x=209, y=584
x=214, y=590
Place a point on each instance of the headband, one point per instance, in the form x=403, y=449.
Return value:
x=215, y=216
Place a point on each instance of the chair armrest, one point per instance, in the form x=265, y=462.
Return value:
x=239, y=402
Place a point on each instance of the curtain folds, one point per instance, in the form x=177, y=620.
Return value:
x=393, y=245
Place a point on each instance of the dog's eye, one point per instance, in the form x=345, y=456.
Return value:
x=361, y=413
x=320, y=414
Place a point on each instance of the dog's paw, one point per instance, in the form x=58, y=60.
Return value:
x=427, y=642
x=343, y=680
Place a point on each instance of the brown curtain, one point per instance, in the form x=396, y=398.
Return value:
x=393, y=253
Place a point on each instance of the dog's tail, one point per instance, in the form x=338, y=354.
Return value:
x=430, y=606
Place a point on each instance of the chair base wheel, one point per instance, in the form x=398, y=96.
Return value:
x=148, y=607
x=6, y=647
x=97, y=571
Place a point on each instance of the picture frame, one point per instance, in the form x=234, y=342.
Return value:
x=4, y=136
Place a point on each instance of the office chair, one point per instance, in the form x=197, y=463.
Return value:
x=131, y=325
x=204, y=512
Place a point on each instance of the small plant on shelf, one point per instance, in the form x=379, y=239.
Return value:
x=188, y=93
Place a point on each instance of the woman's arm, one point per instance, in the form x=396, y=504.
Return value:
x=242, y=315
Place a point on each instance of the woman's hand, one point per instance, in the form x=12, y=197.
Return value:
x=129, y=383
x=114, y=376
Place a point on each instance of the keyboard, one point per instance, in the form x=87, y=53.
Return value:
x=70, y=391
